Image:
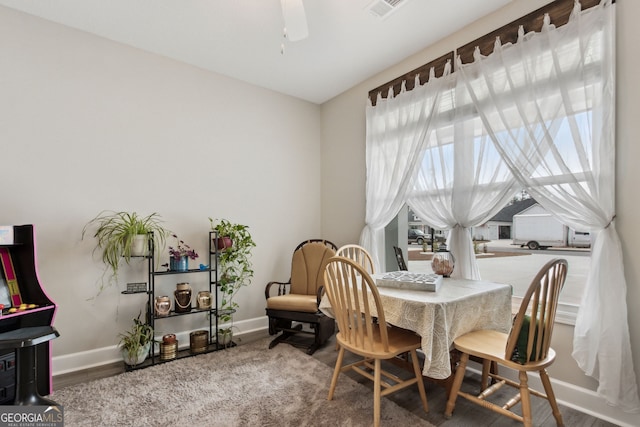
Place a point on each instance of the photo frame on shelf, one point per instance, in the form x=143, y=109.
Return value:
x=5, y=297
x=10, y=279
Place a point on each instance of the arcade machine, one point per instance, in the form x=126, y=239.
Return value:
x=26, y=323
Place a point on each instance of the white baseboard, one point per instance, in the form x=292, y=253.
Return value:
x=111, y=354
x=580, y=399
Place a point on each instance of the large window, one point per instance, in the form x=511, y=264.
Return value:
x=526, y=95
x=500, y=260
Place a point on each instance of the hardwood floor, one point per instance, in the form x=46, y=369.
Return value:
x=465, y=414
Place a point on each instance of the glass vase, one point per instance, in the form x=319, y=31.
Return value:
x=443, y=262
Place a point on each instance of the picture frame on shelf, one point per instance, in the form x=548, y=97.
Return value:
x=5, y=297
x=136, y=287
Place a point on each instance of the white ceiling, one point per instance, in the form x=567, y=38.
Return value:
x=242, y=38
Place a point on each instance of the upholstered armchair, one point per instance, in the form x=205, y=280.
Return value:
x=293, y=308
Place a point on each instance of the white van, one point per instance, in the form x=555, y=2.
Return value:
x=579, y=239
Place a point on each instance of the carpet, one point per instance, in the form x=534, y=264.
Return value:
x=247, y=385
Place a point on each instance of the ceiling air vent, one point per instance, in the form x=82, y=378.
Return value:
x=383, y=8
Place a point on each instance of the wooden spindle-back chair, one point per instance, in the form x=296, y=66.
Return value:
x=363, y=331
x=526, y=348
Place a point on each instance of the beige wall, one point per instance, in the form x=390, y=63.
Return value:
x=87, y=124
x=343, y=175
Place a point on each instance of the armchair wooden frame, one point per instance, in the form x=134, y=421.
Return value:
x=289, y=322
x=526, y=348
x=356, y=304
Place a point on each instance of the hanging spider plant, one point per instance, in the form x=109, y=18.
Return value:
x=116, y=232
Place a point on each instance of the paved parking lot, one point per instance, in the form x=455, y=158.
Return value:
x=519, y=270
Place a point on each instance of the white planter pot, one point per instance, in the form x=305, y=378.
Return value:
x=137, y=358
x=225, y=338
x=139, y=246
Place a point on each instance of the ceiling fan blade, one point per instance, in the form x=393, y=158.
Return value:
x=295, y=19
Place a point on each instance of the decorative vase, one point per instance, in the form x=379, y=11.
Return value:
x=443, y=261
x=183, y=298
x=198, y=341
x=162, y=305
x=168, y=347
x=181, y=264
x=203, y=300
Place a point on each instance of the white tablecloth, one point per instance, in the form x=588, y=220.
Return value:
x=458, y=307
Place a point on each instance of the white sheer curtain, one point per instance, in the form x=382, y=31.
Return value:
x=462, y=181
x=548, y=103
x=397, y=130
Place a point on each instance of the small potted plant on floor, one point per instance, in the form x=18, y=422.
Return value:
x=236, y=271
x=117, y=233
x=136, y=343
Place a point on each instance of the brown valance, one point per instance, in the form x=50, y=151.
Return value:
x=410, y=77
x=559, y=12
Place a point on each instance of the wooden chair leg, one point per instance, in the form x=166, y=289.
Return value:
x=486, y=367
x=336, y=373
x=551, y=397
x=526, y=399
x=457, y=383
x=418, y=372
x=377, y=392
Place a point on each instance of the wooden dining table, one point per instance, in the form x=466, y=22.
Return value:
x=457, y=307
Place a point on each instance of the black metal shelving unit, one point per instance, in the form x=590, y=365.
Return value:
x=213, y=313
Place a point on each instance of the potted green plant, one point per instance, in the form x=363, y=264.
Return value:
x=116, y=233
x=136, y=343
x=179, y=255
x=236, y=271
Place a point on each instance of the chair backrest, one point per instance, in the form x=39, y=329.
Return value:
x=400, y=258
x=358, y=254
x=530, y=336
x=307, y=265
x=356, y=303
